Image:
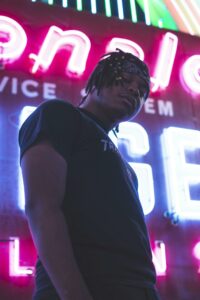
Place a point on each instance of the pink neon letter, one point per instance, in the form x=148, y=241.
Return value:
x=57, y=38
x=191, y=73
x=125, y=45
x=14, y=268
x=13, y=39
x=159, y=258
x=196, y=253
x=165, y=61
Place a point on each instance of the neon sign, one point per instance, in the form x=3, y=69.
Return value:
x=165, y=61
x=57, y=38
x=13, y=39
x=146, y=145
x=16, y=270
x=158, y=253
x=15, y=42
x=28, y=87
x=14, y=267
x=179, y=175
x=191, y=73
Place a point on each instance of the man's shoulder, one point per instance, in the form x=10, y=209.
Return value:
x=56, y=105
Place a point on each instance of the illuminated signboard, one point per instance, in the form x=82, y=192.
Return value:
x=174, y=14
x=42, y=59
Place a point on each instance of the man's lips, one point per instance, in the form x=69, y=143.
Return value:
x=132, y=100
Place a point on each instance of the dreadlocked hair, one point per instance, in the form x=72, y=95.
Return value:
x=109, y=69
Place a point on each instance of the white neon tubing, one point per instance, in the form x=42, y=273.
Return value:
x=93, y=6
x=182, y=16
x=145, y=179
x=126, y=46
x=179, y=174
x=55, y=39
x=14, y=47
x=147, y=12
x=159, y=258
x=165, y=61
x=65, y=3
x=135, y=137
x=120, y=9
x=190, y=74
x=14, y=268
x=133, y=11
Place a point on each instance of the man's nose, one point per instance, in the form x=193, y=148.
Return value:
x=133, y=90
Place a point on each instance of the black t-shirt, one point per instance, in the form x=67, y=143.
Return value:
x=101, y=204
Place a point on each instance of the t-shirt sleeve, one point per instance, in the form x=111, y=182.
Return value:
x=56, y=121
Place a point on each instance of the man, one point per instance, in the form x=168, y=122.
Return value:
x=81, y=197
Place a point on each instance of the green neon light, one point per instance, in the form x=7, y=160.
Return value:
x=79, y=5
x=65, y=3
x=108, y=8
x=133, y=11
x=159, y=12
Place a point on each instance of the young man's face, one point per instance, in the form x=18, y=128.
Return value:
x=123, y=101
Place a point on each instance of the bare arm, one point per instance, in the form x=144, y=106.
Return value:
x=44, y=175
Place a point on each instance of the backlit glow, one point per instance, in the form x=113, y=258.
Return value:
x=133, y=11
x=107, y=8
x=57, y=39
x=79, y=5
x=93, y=6
x=147, y=12
x=159, y=258
x=14, y=257
x=120, y=9
x=13, y=39
x=26, y=111
x=179, y=175
x=191, y=74
x=165, y=61
x=183, y=15
x=126, y=46
x=135, y=137
x=65, y=3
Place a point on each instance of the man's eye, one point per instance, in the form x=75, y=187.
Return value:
x=127, y=80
